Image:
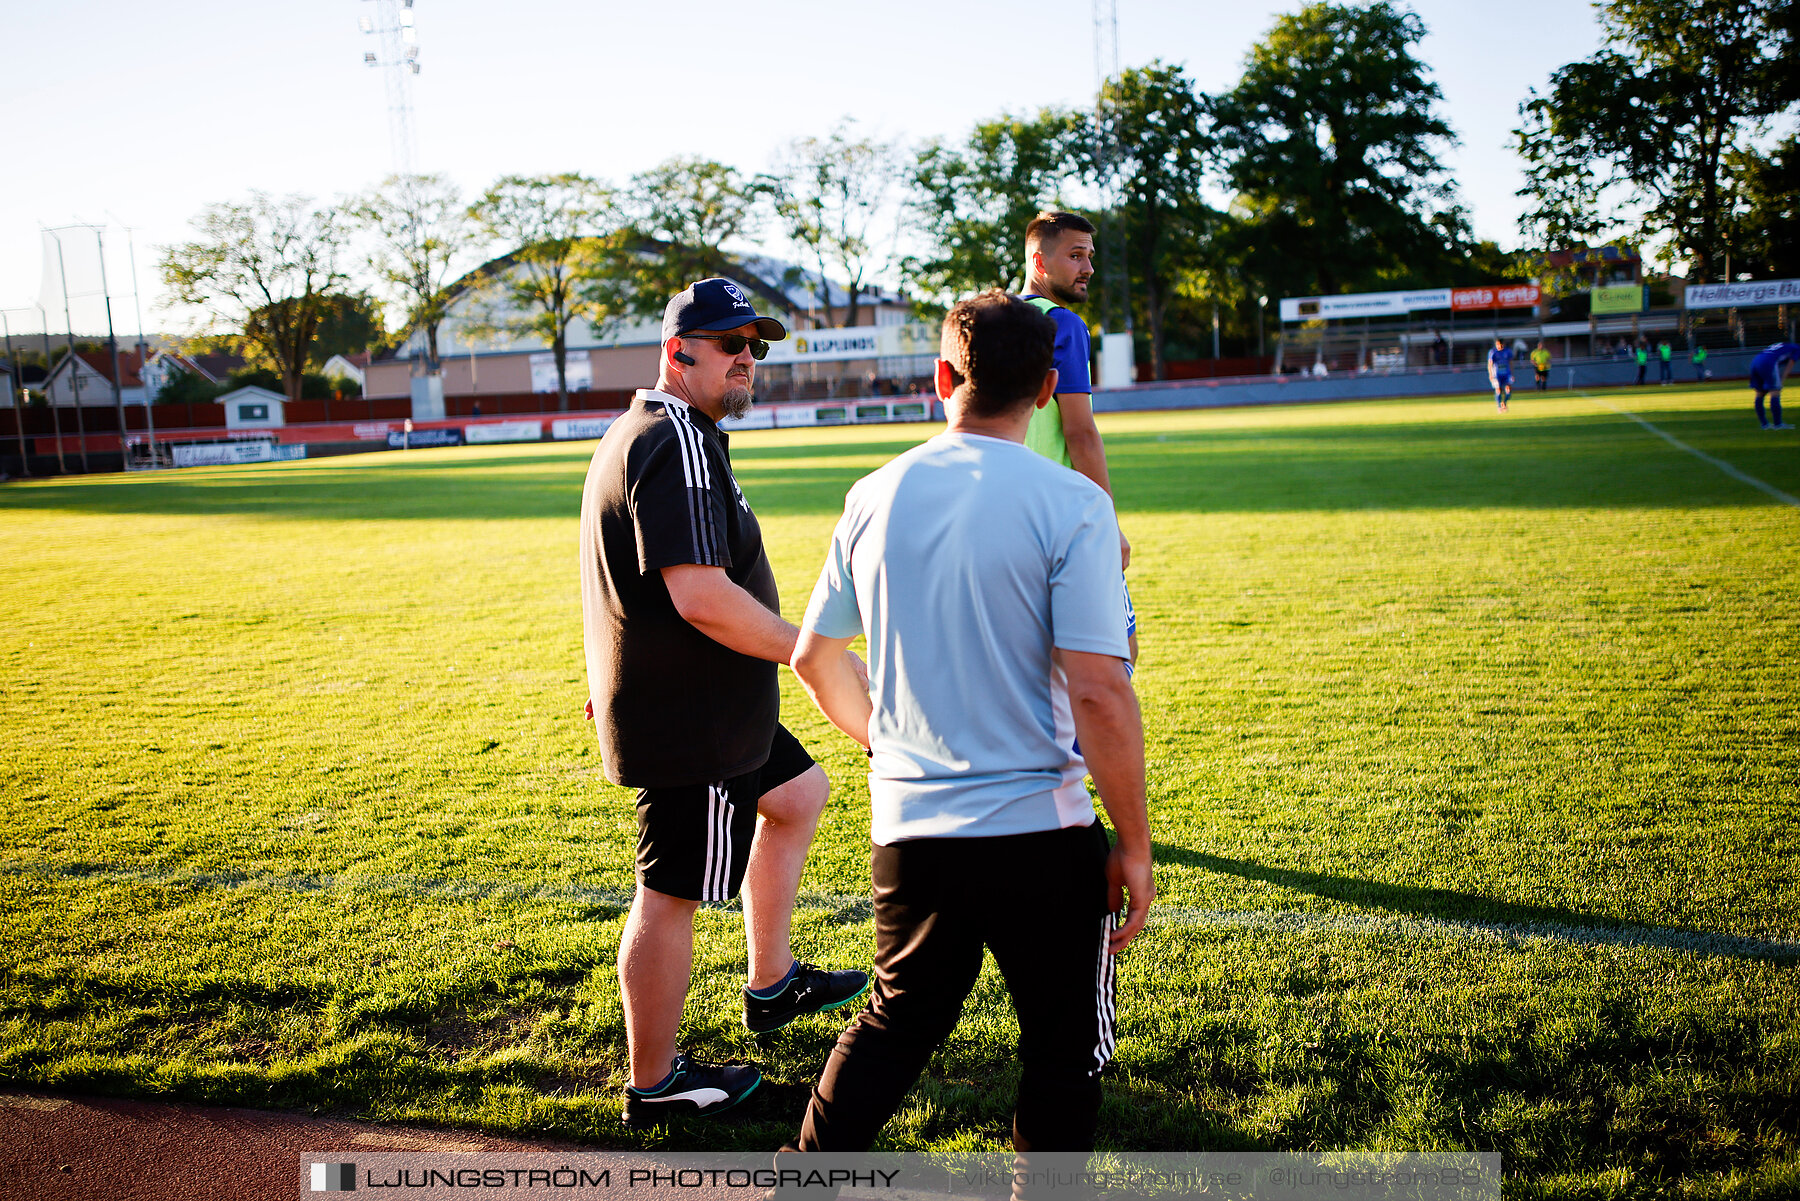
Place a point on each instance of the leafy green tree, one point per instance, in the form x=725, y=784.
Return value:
x=1163, y=143
x=349, y=323
x=1331, y=139
x=420, y=236
x=188, y=387
x=677, y=219
x=1649, y=134
x=1768, y=243
x=830, y=195
x=265, y=267
x=536, y=288
x=969, y=203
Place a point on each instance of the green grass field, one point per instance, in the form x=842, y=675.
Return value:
x=1473, y=773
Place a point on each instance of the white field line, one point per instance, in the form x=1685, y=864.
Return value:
x=1721, y=464
x=853, y=908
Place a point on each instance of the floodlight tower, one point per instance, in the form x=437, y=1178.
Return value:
x=399, y=58
x=1114, y=279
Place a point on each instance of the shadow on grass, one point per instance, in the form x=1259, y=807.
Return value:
x=1570, y=462
x=1483, y=914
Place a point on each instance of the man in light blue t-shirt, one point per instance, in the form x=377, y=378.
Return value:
x=985, y=578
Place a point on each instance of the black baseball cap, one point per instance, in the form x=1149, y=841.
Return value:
x=714, y=304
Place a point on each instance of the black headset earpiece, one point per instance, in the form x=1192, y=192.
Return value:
x=682, y=357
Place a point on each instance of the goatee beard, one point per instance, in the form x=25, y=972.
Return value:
x=737, y=401
x=1062, y=295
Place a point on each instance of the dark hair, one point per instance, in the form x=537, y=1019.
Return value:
x=1049, y=225
x=999, y=349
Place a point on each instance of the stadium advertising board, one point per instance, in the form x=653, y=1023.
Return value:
x=1495, y=296
x=1363, y=304
x=420, y=439
x=580, y=429
x=504, y=431
x=1618, y=298
x=1756, y=291
x=578, y=371
x=227, y=454
x=856, y=342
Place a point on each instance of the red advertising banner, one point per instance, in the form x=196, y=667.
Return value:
x=1498, y=296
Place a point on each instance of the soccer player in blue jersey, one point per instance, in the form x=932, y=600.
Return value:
x=1059, y=262
x=1766, y=372
x=1500, y=372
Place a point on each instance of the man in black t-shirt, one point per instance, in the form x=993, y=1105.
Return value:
x=683, y=632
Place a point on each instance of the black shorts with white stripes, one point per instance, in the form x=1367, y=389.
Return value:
x=694, y=841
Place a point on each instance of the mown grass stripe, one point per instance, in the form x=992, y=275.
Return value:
x=1728, y=468
x=852, y=907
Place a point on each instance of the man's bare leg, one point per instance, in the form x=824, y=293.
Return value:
x=656, y=960
x=786, y=819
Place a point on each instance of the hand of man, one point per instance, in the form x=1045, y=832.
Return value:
x=1124, y=551
x=1128, y=875
x=860, y=668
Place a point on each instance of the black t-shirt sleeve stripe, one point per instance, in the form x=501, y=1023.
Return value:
x=700, y=499
x=676, y=521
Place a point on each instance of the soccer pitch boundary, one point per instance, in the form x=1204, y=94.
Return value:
x=847, y=907
x=1730, y=470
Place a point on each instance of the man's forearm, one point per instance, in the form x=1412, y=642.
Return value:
x=1111, y=733
x=708, y=600
x=829, y=676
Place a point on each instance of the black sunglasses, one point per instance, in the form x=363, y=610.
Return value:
x=733, y=344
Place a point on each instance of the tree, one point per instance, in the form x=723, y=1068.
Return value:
x=830, y=194
x=1158, y=123
x=1768, y=244
x=349, y=323
x=1331, y=139
x=969, y=204
x=536, y=288
x=1651, y=132
x=265, y=267
x=421, y=235
x=675, y=221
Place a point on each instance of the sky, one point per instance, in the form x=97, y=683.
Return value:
x=136, y=117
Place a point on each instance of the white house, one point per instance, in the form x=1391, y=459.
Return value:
x=86, y=378
x=348, y=367
x=253, y=408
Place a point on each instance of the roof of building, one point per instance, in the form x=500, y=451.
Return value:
x=101, y=363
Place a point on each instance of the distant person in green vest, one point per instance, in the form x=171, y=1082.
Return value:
x=1642, y=354
x=1540, y=367
x=1700, y=371
x=1059, y=261
x=1664, y=365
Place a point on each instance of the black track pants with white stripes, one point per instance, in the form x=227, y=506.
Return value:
x=1038, y=901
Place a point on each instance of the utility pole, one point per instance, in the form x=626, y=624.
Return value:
x=62, y=467
x=18, y=395
x=62, y=272
x=137, y=302
x=112, y=344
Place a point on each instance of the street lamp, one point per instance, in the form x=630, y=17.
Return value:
x=1262, y=302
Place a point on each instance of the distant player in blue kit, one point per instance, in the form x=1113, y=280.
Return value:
x=1059, y=261
x=1766, y=370
x=1500, y=372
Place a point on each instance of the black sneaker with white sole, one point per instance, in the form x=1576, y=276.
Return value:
x=694, y=1088
x=809, y=990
